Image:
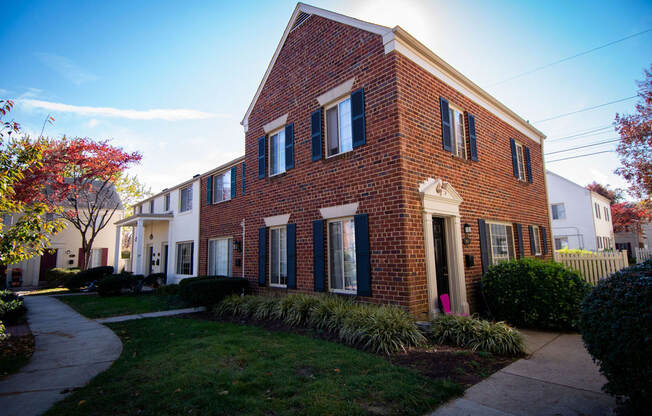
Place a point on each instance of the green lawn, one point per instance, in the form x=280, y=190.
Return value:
x=176, y=366
x=94, y=306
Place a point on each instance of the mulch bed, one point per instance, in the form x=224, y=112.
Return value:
x=17, y=350
x=438, y=362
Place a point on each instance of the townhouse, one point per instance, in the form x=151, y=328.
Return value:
x=374, y=169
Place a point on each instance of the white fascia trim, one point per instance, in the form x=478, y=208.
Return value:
x=335, y=93
x=301, y=7
x=275, y=124
x=447, y=74
x=338, y=211
x=276, y=220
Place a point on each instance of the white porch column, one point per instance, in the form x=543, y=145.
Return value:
x=139, y=246
x=431, y=272
x=456, y=262
x=118, y=245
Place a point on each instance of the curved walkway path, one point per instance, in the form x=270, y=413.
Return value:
x=69, y=351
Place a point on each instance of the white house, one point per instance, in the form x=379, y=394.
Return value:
x=166, y=235
x=581, y=219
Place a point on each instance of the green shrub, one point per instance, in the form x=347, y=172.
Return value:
x=616, y=325
x=229, y=306
x=59, y=276
x=4, y=335
x=295, y=309
x=8, y=296
x=534, y=293
x=84, y=277
x=172, y=289
x=476, y=334
x=210, y=291
x=12, y=307
x=266, y=307
x=329, y=312
x=155, y=279
x=113, y=285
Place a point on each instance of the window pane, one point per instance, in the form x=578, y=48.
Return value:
x=335, y=255
x=211, y=258
x=348, y=236
x=274, y=256
x=226, y=186
x=277, y=153
x=222, y=256
x=521, y=166
x=283, y=257
x=346, y=132
x=457, y=132
x=499, y=245
x=332, y=131
x=510, y=241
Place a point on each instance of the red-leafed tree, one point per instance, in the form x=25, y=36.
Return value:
x=635, y=148
x=627, y=216
x=613, y=195
x=78, y=175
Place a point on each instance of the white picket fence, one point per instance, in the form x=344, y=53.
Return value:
x=594, y=266
x=643, y=254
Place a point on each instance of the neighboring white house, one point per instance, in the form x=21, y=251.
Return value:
x=581, y=219
x=166, y=232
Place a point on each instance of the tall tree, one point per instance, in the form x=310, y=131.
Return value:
x=635, y=148
x=78, y=175
x=29, y=231
x=628, y=216
x=613, y=195
x=131, y=190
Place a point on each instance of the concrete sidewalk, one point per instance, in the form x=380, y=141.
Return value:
x=69, y=351
x=160, y=314
x=558, y=378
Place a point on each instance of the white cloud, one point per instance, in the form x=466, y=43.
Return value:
x=171, y=114
x=66, y=68
x=92, y=122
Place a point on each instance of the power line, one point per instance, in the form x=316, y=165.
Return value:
x=585, y=109
x=582, y=147
x=568, y=58
x=589, y=132
x=575, y=157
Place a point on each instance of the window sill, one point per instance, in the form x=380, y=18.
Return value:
x=220, y=202
x=461, y=159
x=344, y=292
x=336, y=155
x=277, y=175
x=278, y=286
x=185, y=212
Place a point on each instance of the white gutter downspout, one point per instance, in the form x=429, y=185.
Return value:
x=242, y=224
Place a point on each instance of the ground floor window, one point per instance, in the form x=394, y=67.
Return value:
x=341, y=255
x=220, y=254
x=184, y=258
x=561, y=243
x=95, y=259
x=278, y=256
x=501, y=242
x=537, y=239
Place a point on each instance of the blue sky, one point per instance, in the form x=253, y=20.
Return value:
x=173, y=79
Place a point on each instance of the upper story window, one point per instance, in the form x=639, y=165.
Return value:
x=339, y=131
x=341, y=255
x=520, y=161
x=558, y=211
x=537, y=239
x=140, y=208
x=458, y=138
x=561, y=243
x=222, y=187
x=597, y=210
x=185, y=199
x=278, y=256
x=501, y=240
x=606, y=213
x=277, y=152
x=151, y=206
x=167, y=202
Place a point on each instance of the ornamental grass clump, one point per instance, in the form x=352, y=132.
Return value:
x=476, y=334
x=266, y=308
x=229, y=306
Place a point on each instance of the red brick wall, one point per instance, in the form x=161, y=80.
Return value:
x=403, y=134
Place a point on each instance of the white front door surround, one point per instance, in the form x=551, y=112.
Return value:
x=439, y=199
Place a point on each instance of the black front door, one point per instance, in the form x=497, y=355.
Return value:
x=441, y=263
x=150, y=257
x=165, y=260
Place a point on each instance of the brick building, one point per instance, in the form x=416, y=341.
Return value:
x=373, y=168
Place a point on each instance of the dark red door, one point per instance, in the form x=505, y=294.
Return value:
x=48, y=261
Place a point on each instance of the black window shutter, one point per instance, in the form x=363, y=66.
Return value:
x=512, y=144
x=292, y=255
x=484, y=249
x=519, y=237
x=192, y=257
x=445, y=125
x=243, y=178
x=318, y=255
x=362, y=254
x=234, y=174
x=289, y=146
x=262, y=166
x=544, y=240
x=315, y=135
x=209, y=190
x=357, y=118
x=473, y=146
x=528, y=165
x=262, y=254
x=532, y=248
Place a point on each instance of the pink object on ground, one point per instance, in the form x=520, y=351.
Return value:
x=446, y=304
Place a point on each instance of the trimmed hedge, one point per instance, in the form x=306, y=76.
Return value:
x=84, y=277
x=380, y=329
x=209, y=290
x=12, y=307
x=171, y=289
x=114, y=284
x=59, y=276
x=533, y=293
x=155, y=279
x=616, y=325
x=476, y=334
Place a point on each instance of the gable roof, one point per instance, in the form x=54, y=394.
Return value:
x=397, y=39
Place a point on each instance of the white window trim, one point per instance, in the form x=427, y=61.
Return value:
x=328, y=254
x=522, y=175
x=335, y=103
x=214, y=182
x=269, y=254
x=269, y=152
x=453, y=134
x=277, y=220
x=333, y=94
x=181, y=199
x=505, y=224
x=230, y=241
x=276, y=124
x=176, y=257
x=537, y=240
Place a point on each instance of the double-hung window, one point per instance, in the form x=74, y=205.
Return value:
x=151, y=206
x=501, y=241
x=537, y=239
x=167, y=202
x=339, y=131
x=184, y=258
x=458, y=138
x=95, y=258
x=278, y=256
x=222, y=187
x=561, y=243
x=597, y=210
x=220, y=255
x=606, y=213
x=341, y=256
x=558, y=212
x=185, y=200
x=520, y=162
x=277, y=152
